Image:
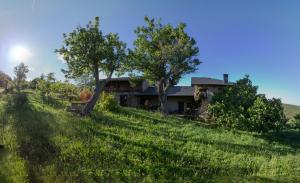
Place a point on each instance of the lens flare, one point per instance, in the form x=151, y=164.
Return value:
x=20, y=54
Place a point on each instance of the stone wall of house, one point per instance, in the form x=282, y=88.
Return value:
x=173, y=101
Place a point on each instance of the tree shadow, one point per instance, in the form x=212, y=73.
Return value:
x=33, y=134
x=139, y=114
x=173, y=163
x=267, y=151
x=286, y=137
x=269, y=180
x=54, y=102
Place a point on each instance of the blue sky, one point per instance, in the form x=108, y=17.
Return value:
x=260, y=38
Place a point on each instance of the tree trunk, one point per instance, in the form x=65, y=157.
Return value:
x=97, y=92
x=163, y=102
x=163, y=98
x=92, y=102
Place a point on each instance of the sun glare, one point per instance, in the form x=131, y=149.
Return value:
x=20, y=54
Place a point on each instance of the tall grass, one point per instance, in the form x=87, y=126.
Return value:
x=43, y=143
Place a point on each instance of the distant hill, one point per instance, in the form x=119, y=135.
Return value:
x=291, y=110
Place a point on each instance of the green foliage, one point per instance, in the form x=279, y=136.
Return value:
x=240, y=107
x=297, y=117
x=20, y=75
x=163, y=54
x=107, y=102
x=44, y=87
x=51, y=77
x=34, y=83
x=88, y=52
x=266, y=115
x=47, y=144
x=17, y=100
x=64, y=89
x=85, y=80
x=295, y=123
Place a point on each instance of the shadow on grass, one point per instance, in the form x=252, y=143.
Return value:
x=33, y=133
x=3, y=176
x=156, y=118
x=128, y=125
x=53, y=102
x=269, y=180
x=286, y=137
x=171, y=162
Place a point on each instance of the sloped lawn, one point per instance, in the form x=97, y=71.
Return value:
x=43, y=143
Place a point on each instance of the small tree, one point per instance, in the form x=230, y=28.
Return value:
x=20, y=75
x=51, y=77
x=42, y=77
x=163, y=54
x=87, y=51
x=45, y=88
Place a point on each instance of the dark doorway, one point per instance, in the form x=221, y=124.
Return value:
x=123, y=100
x=180, y=107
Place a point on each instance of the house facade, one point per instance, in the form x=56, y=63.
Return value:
x=180, y=98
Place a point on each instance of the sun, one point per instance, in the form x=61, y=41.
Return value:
x=20, y=54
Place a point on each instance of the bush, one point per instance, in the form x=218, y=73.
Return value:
x=266, y=115
x=85, y=94
x=296, y=122
x=240, y=107
x=107, y=102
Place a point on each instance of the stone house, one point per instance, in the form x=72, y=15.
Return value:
x=180, y=98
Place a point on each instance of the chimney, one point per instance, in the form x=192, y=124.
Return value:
x=226, y=78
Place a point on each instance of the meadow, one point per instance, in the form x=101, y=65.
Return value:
x=44, y=143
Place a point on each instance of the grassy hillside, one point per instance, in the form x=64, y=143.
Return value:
x=43, y=143
x=291, y=110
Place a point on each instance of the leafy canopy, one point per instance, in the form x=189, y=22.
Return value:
x=163, y=52
x=240, y=107
x=20, y=74
x=87, y=50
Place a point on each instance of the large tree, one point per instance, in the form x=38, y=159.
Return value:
x=20, y=75
x=163, y=54
x=87, y=51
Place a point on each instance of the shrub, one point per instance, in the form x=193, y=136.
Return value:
x=85, y=94
x=107, y=102
x=266, y=115
x=296, y=122
x=240, y=107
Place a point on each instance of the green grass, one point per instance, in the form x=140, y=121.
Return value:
x=291, y=110
x=43, y=143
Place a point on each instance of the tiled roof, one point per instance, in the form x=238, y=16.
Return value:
x=208, y=81
x=118, y=79
x=173, y=91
